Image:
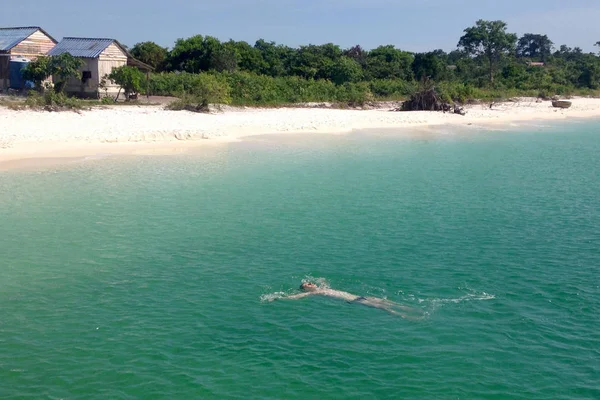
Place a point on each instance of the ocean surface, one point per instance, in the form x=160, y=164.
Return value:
x=153, y=277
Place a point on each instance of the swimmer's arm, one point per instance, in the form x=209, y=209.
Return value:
x=297, y=296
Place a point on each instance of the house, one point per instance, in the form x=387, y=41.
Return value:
x=17, y=47
x=100, y=57
x=536, y=64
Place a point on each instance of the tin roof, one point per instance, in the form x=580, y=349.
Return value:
x=10, y=37
x=83, y=47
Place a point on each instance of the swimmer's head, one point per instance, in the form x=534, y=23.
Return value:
x=308, y=287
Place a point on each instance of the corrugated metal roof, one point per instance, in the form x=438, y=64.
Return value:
x=10, y=37
x=81, y=47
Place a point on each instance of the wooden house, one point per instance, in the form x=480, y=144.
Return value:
x=23, y=44
x=100, y=56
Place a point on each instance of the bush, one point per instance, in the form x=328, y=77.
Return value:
x=130, y=79
x=355, y=94
x=63, y=67
x=37, y=71
x=245, y=88
x=188, y=102
x=53, y=101
x=203, y=90
x=392, y=89
x=107, y=101
x=455, y=92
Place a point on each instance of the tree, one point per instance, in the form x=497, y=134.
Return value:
x=535, y=46
x=150, y=53
x=428, y=65
x=186, y=55
x=345, y=70
x=223, y=59
x=129, y=79
x=589, y=67
x=388, y=62
x=37, y=71
x=63, y=67
x=357, y=54
x=276, y=58
x=488, y=39
x=315, y=62
x=248, y=58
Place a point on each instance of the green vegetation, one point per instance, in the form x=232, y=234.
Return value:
x=490, y=41
x=37, y=72
x=61, y=68
x=130, y=80
x=149, y=53
x=48, y=101
x=490, y=63
x=202, y=90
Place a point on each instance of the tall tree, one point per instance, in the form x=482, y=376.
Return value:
x=187, y=55
x=388, y=62
x=488, y=39
x=223, y=58
x=428, y=65
x=344, y=70
x=315, y=62
x=357, y=54
x=534, y=46
x=198, y=53
x=276, y=58
x=149, y=53
x=249, y=58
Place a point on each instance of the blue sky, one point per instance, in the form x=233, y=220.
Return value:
x=414, y=25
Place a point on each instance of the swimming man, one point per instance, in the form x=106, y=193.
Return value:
x=310, y=289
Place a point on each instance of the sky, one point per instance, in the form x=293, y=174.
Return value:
x=412, y=25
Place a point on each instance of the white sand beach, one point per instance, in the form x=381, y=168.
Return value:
x=140, y=129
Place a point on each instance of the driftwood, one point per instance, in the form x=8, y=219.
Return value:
x=425, y=99
x=561, y=104
x=428, y=99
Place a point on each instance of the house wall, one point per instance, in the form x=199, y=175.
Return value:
x=38, y=44
x=113, y=52
x=105, y=67
x=112, y=57
x=4, y=71
x=76, y=86
x=98, y=69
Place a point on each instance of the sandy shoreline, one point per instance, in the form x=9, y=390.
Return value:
x=152, y=130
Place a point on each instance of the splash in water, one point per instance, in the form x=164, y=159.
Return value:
x=268, y=297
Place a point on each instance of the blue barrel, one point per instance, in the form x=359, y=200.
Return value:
x=16, y=75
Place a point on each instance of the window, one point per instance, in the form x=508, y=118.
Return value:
x=86, y=76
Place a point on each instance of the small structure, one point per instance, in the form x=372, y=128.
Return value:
x=536, y=64
x=19, y=46
x=100, y=56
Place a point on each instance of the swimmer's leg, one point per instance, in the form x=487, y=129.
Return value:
x=393, y=308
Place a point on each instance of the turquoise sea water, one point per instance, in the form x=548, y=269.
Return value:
x=149, y=277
